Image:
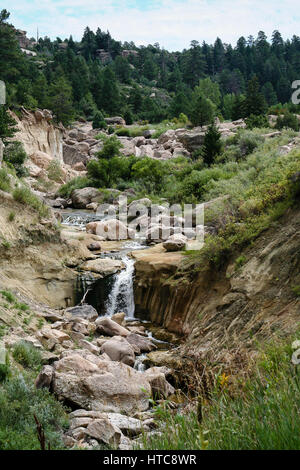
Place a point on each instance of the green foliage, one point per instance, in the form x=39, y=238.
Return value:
x=288, y=120
x=5, y=183
x=8, y=296
x=7, y=124
x=296, y=290
x=257, y=121
x=76, y=183
x=212, y=145
x=111, y=148
x=60, y=101
x=19, y=402
x=15, y=155
x=27, y=355
x=55, y=172
x=202, y=111
x=234, y=421
x=98, y=121
x=24, y=195
x=255, y=101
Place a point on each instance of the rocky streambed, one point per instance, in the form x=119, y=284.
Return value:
x=99, y=358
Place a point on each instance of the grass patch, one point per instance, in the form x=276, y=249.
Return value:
x=8, y=296
x=5, y=184
x=23, y=195
x=27, y=355
x=262, y=414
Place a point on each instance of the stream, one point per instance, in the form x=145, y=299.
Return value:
x=114, y=293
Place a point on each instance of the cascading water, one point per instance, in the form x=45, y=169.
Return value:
x=121, y=298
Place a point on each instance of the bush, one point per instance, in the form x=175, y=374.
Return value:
x=27, y=355
x=76, y=183
x=254, y=121
x=247, y=142
x=8, y=296
x=98, y=121
x=15, y=155
x=123, y=132
x=24, y=195
x=55, y=172
x=288, y=120
x=111, y=148
x=19, y=402
x=5, y=184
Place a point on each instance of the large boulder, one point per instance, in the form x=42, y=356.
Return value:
x=41, y=159
x=83, y=311
x=115, y=120
x=73, y=154
x=82, y=197
x=175, y=242
x=103, y=266
x=166, y=136
x=111, y=229
x=192, y=140
x=146, y=151
x=104, y=431
x=139, y=343
x=107, y=326
x=87, y=381
x=118, y=349
x=128, y=147
x=160, y=387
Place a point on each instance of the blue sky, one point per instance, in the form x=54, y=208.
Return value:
x=171, y=23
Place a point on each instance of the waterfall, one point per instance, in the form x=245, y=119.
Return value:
x=121, y=298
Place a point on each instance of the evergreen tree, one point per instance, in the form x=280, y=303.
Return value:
x=202, y=111
x=255, y=102
x=212, y=145
x=7, y=124
x=60, y=101
x=98, y=121
x=110, y=92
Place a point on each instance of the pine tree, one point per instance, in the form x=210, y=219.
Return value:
x=202, y=111
x=255, y=101
x=212, y=145
x=110, y=92
x=7, y=124
x=60, y=101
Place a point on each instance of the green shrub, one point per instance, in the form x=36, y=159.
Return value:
x=15, y=155
x=19, y=402
x=76, y=183
x=98, y=121
x=123, y=132
x=11, y=216
x=24, y=195
x=212, y=145
x=5, y=184
x=27, y=355
x=257, y=121
x=288, y=120
x=55, y=172
x=111, y=148
x=4, y=372
x=8, y=296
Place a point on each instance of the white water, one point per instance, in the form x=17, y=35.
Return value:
x=121, y=298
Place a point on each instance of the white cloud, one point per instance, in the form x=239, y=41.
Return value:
x=172, y=23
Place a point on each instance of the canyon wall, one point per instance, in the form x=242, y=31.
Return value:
x=223, y=312
x=38, y=133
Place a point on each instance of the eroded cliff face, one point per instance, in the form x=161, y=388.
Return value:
x=38, y=133
x=223, y=313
